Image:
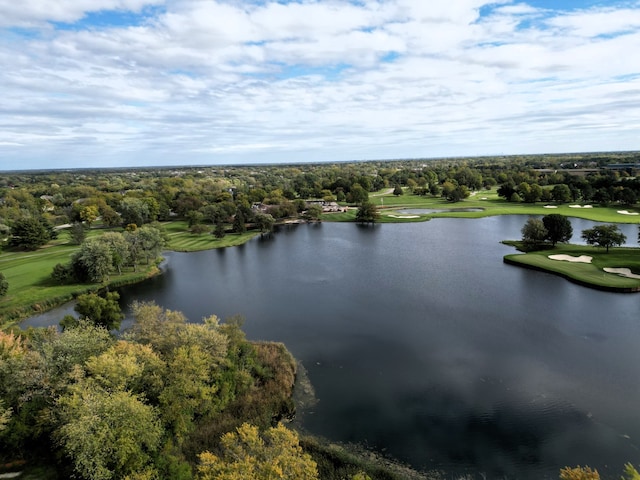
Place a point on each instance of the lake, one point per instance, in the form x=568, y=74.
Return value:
x=423, y=345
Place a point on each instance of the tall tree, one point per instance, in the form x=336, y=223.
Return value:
x=4, y=285
x=367, y=213
x=604, y=236
x=558, y=227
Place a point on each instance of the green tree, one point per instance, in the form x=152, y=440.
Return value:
x=558, y=227
x=264, y=222
x=239, y=222
x=30, y=233
x=630, y=473
x=604, y=236
x=534, y=231
x=77, y=233
x=367, y=213
x=219, y=231
x=561, y=193
x=357, y=194
x=107, y=435
x=118, y=247
x=246, y=453
x=397, y=190
x=312, y=213
x=94, y=259
x=102, y=311
x=4, y=285
x=134, y=211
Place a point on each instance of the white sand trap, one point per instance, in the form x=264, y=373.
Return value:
x=550, y=206
x=571, y=258
x=580, y=206
x=626, y=212
x=623, y=272
x=403, y=216
x=483, y=198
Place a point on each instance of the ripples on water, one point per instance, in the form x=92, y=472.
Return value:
x=422, y=344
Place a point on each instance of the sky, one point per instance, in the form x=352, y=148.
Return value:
x=114, y=83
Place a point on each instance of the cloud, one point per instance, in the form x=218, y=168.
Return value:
x=205, y=81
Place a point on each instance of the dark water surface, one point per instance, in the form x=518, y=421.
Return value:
x=422, y=344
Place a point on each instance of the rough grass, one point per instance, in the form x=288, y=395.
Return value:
x=590, y=274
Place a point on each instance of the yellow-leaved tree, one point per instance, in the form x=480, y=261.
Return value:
x=247, y=454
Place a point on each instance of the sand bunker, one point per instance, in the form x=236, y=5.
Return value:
x=571, y=258
x=580, y=206
x=550, y=206
x=403, y=216
x=626, y=212
x=623, y=272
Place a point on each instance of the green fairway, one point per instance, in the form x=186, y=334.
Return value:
x=590, y=274
x=391, y=206
x=182, y=240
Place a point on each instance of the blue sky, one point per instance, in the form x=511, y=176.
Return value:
x=105, y=83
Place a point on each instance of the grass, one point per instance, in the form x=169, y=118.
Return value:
x=182, y=240
x=488, y=201
x=589, y=274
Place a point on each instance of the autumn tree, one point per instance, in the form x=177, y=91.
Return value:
x=246, y=453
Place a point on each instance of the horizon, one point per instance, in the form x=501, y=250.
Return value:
x=174, y=83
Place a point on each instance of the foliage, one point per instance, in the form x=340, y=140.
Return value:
x=103, y=311
x=312, y=213
x=77, y=233
x=107, y=435
x=534, y=232
x=558, y=227
x=367, y=213
x=92, y=262
x=604, y=236
x=264, y=222
x=398, y=190
x=246, y=453
x=4, y=285
x=30, y=233
x=579, y=473
x=630, y=473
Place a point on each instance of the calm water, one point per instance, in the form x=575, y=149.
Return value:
x=422, y=344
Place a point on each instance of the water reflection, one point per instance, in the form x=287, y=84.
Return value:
x=420, y=342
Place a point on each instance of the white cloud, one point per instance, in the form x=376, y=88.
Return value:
x=213, y=80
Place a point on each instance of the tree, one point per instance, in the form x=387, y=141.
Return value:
x=264, y=222
x=534, y=232
x=117, y=244
x=89, y=214
x=312, y=213
x=558, y=227
x=367, y=213
x=357, y=194
x=239, y=222
x=561, y=193
x=397, y=190
x=246, y=453
x=4, y=285
x=604, y=236
x=30, y=233
x=102, y=311
x=134, y=211
x=107, y=435
x=93, y=261
x=77, y=233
